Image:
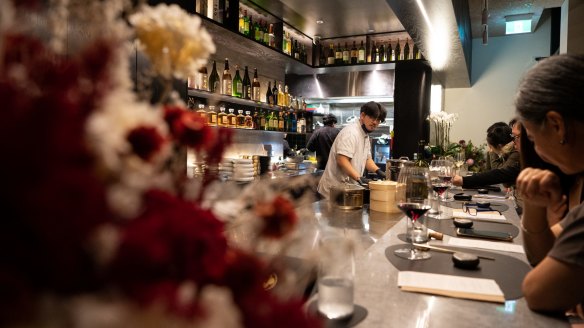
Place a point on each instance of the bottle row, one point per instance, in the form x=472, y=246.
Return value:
x=380, y=52
x=267, y=120
x=243, y=88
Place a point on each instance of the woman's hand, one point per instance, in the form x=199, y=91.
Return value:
x=540, y=188
x=457, y=180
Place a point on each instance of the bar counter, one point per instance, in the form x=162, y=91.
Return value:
x=376, y=287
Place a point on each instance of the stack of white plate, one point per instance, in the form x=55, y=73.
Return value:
x=243, y=170
x=226, y=168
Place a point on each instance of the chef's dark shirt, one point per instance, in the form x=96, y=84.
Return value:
x=321, y=142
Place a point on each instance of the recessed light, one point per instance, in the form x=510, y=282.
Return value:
x=370, y=30
x=319, y=21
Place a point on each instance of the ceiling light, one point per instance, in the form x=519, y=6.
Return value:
x=370, y=30
x=485, y=34
x=485, y=13
x=319, y=21
x=515, y=24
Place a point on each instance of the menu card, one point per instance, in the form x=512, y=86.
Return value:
x=482, y=216
x=452, y=286
x=490, y=245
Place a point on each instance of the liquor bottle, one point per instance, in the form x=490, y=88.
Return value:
x=397, y=51
x=407, y=51
x=354, y=53
x=237, y=85
x=421, y=158
x=240, y=119
x=338, y=54
x=268, y=119
x=361, y=54
x=296, y=50
x=288, y=44
x=330, y=59
x=266, y=34
x=201, y=112
x=275, y=93
x=214, y=82
x=303, y=54
x=269, y=95
x=241, y=21
x=282, y=121
x=262, y=124
x=382, y=54
x=280, y=101
x=321, y=57
x=246, y=94
x=390, y=53
x=274, y=121
x=222, y=117
x=256, y=31
x=245, y=23
x=255, y=86
x=286, y=96
x=212, y=116
x=261, y=31
x=371, y=58
x=227, y=82
x=203, y=78
x=293, y=121
x=231, y=119
x=346, y=55
x=301, y=123
x=255, y=120
x=271, y=36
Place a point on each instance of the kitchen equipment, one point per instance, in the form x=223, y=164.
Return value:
x=295, y=159
x=393, y=167
x=347, y=196
x=382, y=196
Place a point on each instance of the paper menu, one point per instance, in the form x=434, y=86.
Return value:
x=453, y=286
x=483, y=216
x=490, y=245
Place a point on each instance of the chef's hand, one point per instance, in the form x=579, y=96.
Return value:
x=380, y=174
x=364, y=181
x=303, y=151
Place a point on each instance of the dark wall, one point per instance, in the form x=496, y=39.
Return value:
x=413, y=81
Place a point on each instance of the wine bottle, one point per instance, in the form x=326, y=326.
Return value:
x=322, y=57
x=390, y=53
x=246, y=85
x=262, y=124
x=372, y=52
x=255, y=86
x=241, y=22
x=274, y=121
x=397, y=51
x=338, y=54
x=416, y=52
x=361, y=55
x=354, y=53
x=204, y=79
x=296, y=50
x=266, y=34
x=282, y=121
x=237, y=85
x=407, y=51
x=421, y=158
x=330, y=60
x=269, y=95
x=346, y=56
x=275, y=93
x=214, y=82
x=227, y=82
x=382, y=54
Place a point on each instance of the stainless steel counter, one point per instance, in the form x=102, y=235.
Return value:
x=387, y=306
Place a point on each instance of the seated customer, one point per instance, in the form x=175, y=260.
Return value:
x=551, y=109
x=500, y=144
x=506, y=173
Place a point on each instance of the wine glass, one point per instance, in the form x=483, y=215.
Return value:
x=412, y=199
x=459, y=159
x=441, y=179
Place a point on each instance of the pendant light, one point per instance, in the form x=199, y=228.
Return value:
x=484, y=22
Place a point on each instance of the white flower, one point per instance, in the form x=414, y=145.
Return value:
x=175, y=41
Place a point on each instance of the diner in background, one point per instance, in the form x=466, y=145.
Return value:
x=350, y=154
x=322, y=140
x=551, y=108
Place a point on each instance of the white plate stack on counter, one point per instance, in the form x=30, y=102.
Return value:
x=226, y=169
x=243, y=170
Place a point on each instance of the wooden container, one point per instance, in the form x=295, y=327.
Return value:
x=382, y=196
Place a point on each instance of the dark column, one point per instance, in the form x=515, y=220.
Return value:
x=413, y=81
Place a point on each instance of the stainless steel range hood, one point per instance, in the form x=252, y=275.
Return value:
x=340, y=83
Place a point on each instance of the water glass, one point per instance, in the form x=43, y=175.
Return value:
x=336, y=277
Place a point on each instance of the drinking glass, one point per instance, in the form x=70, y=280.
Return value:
x=459, y=159
x=336, y=273
x=442, y=172
x=414, y=203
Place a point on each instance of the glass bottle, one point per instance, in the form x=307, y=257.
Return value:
x=212, y=116
x=267, y=118
x=416, y=52
x=262, y=120
x=201, y=112
x=330, y=59
x=240, y=119
x=245, y=23
x=272, y=36
x=321, y=57
x=266, y=34
x=354, y=53
x=269, y=95
x=214, y=82
x=275, y=93
x=247, y=120
x=407, y=51
x=382, y=54
x=255, y=86
x=256, y=119
x=227, y=82
x=421, y=158
x=281, y=121
x=301, y=123
x=246, y=85
x=222, y=117
x=204, y=79
x=293, y=121
x=237, y=84
x=361, y=54
x=231, y=119
x=281, y=100
x=346, y=56
x=286, y=96
x=390, y=53
x=398, y=51
x=274, y=121
x=241, y=22
x=338, y=54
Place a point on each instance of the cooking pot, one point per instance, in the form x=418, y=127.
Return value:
x=347, y=196
x=393, y=167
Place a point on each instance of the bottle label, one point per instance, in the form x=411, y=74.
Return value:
x=361, y=55
x=238, y=87
x=256, y=94
x=225, y=120
x=330, y=60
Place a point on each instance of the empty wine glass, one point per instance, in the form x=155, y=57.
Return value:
x=459, y=159
x=412, y=199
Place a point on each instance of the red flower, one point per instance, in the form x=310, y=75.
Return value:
x=245, y=273
x=145, y=141
x=189, y=128
x=279, y=217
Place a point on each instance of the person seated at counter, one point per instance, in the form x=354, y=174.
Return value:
x=350, y=154
x=551, y=108
x=502, y=141
x=322, y=140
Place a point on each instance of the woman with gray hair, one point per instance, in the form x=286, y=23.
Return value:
x=550, y=106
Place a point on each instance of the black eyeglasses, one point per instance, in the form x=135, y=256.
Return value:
x=473, y=209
